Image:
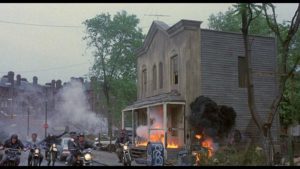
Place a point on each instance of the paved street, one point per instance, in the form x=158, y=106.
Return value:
x=101, y=158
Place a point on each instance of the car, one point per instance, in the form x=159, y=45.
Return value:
x=104, y=143
x=1, y=151
x=63, y=149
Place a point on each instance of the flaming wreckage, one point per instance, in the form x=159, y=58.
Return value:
x=183, y=72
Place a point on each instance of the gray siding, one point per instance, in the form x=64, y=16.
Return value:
x=219, y=69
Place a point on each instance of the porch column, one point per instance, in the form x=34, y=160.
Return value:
x=148, y=122
x=132, y=126
x=165, y=122
x=122, y=119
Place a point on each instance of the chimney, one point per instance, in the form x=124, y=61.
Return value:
x=58, y=84
x=53, y=84
x=35, y=80
x=11, y=75
x=18, y=80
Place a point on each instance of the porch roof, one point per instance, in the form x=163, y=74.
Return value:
x=172, y=96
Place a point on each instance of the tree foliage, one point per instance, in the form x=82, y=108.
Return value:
x=113, y=40
x=231, y=21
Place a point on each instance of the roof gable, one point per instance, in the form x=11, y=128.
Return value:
x=169, y=31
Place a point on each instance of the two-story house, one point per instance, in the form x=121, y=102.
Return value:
x=177, y=64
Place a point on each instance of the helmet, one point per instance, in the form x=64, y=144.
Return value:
x=14, y=136
x=34, y=134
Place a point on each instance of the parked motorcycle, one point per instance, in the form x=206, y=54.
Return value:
x=126, y=154
x=83, y=157
x=12, y=155
x=52, y=154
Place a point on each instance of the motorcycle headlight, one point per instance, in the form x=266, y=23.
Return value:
x=125, y=147
x=53, y=145
x=37, y=151
x=194, y=153
x=87, y=157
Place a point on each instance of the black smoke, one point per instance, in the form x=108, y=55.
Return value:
x=212, y=119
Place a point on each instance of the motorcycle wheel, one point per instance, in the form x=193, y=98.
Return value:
x=35, y=162
x=53, y=158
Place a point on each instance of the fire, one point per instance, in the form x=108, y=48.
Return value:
x=158, y=138
x=198, y=136
x=172, y=145
x=208, y=143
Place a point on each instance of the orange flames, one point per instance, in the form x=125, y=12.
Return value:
x=198, y=136
x=158, y=138
x=207, y=143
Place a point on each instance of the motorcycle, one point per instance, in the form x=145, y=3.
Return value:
x=126, y=154
x=12, y=155
x=83, y=158
x=36, y=155
x=52, y=154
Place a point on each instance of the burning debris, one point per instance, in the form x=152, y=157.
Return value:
x=157, y=131
x=210, y=118
x=210, y=123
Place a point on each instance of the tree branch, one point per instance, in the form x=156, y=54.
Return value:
x=274, y=27
x=278, y=99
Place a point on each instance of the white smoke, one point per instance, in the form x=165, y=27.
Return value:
x=73, y=110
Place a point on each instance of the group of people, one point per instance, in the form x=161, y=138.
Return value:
x=77, y=142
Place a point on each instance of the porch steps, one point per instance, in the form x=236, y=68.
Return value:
x=140, y=155
x=139, y=152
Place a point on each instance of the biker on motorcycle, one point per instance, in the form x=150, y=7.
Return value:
x=123, y=138
x=79, y=144
x=32, y=143
x=13, y=143
x=71, y=147
x=51, y=139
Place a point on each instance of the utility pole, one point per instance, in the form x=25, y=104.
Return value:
x=28, y=122
x=46, y=125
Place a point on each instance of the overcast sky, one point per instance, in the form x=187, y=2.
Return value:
x=59, y=52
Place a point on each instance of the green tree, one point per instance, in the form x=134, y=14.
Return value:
x=230, y=21
x=288, y=56
x=113, y=41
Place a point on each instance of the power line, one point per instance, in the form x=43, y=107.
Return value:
x=55, y=68
x=43, y=25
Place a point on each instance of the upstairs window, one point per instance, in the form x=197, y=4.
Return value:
x=144, y=81
x=242, y=68
x=154, y=77
x=161, y=75
x=174, y=70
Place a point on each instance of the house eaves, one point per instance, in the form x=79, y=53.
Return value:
x=169, y=31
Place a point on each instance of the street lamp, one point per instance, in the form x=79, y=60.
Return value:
x=46, y=109
x=10, y=93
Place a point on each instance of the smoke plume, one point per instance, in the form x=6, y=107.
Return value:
x=73, y=110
